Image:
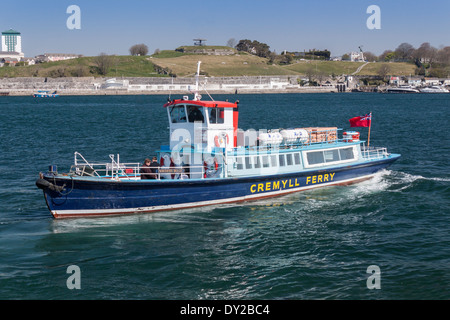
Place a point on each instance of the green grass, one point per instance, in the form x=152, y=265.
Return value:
x=220, y=66
x=185, y=64
x=126, y=66
x=326, y=67
x=395, y=68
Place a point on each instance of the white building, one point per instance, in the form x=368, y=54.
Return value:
x=11, y=41
x=357, y=56
x=61, y=56
x=11, y=45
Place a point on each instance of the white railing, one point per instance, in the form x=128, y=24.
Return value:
x=132, y=171
x=371, y=153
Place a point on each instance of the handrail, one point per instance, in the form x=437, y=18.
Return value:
x=119, y=171
x=370, y=153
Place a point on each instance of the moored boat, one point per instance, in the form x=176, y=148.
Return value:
x=45, y=94
x=401, y=89
x=209, y=161
x=434, y=89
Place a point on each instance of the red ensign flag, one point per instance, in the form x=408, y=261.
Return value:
x=361, y=121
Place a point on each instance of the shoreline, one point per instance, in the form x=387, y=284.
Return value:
x=157, y=86
x=110, y=92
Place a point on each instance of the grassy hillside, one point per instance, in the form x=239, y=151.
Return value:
x=395, y=68
x=220, y=66
x=127, y=66
x=347, y=67
x=170, y=62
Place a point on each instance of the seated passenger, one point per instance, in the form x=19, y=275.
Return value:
x=146, y=171
x=149, y=169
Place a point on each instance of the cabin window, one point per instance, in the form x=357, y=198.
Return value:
x=331, y=155
x=216, y=115
x=240, y=164
x=346, y=153
x=297, y=158
x=289, y=159
x=265, y=161
x=257, y=162
x=177, y=114
x=195, y=113
x=282, y=160
x=315, y=157
x=248, y=163
x=273, y=159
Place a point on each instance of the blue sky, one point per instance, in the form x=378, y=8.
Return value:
x=113, y=26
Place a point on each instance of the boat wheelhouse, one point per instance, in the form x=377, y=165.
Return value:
x=208, y=161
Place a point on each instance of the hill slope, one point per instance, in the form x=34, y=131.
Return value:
x=170, y=62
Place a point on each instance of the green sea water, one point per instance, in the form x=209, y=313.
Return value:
x=317, y=244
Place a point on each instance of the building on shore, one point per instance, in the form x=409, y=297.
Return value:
x=61, y=56
x=11, y=45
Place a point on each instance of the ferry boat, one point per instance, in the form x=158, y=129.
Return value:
x=209, y=161
x=45, y=94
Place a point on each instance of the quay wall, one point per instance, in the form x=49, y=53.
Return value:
x=155, y=85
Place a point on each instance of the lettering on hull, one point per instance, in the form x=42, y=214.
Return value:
x=291, y=183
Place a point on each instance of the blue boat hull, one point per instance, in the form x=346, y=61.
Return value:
x=68, y=197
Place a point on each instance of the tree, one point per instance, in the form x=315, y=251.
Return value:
x=231, y=43
x=139, y=50
x=390, y=56
x=254, y=47
x=104, y=62
x=311, y=74
x=382, y=56
x=244, y=45
x=425, y=53
x=384, y=70
x=443, y=55
x=404, y=51
x=369, y=56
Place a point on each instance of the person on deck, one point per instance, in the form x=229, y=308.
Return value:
x=146, y=171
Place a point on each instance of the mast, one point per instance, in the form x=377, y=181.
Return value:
x=196, y=95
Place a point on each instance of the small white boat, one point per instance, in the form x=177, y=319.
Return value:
x=434, y=89
x=402, y=89
x=45, y=94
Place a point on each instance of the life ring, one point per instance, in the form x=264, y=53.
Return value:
x=220, y=142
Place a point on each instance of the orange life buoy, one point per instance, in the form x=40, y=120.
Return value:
x=218, y=141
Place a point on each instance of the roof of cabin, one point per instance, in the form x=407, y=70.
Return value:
x=207, y=104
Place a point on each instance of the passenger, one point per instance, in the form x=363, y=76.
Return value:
x=154, y=168
x=147, y=169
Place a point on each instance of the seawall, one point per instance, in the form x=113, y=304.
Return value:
x=157, y=85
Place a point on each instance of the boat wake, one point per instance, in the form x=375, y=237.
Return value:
x=324, y=199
